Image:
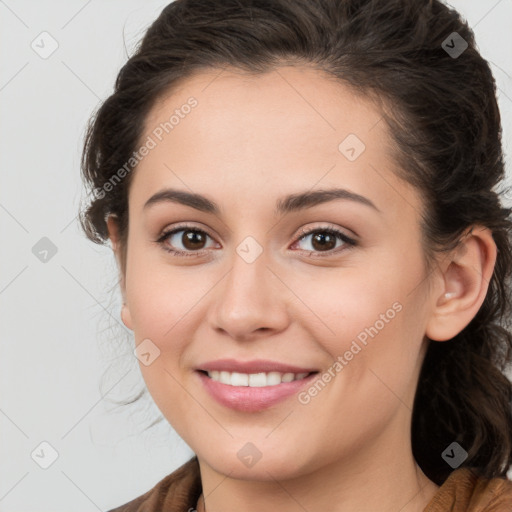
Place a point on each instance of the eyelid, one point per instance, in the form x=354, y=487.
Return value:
x=167, y=232
x=183, y=226
x=326, y=226
x=348, y=241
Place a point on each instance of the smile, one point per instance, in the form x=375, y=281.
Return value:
x=252, y=392
x=254, y=380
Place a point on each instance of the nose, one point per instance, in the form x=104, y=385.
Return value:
x=250, y=301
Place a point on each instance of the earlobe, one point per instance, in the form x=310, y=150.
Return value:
x=465, y=281
x=113, y=232
x=126, y=316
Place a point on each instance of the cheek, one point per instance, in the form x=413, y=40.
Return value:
x=164, y=304
x=371, y=315
x=161, y=296
x=348, y=304
x=162, y=310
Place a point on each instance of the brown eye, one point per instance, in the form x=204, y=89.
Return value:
x=193, y=240
x=324, y=240
x=185, y=241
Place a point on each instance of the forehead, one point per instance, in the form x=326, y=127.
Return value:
x=286, y=102
x=292, y=127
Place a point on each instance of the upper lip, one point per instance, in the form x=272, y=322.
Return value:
x=254, y=366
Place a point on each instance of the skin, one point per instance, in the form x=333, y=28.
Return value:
x=250, y=141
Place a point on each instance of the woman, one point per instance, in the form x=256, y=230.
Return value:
x=314, y=260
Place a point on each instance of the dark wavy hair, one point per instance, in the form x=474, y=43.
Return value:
x=445, y=126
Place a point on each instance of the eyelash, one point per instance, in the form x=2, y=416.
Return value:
x=302, y=234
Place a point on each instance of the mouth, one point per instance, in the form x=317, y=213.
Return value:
x=253, y=392
x=255, y=380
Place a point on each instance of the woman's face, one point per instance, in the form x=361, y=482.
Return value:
x=254, y=287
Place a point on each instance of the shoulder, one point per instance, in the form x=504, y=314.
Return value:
x=494, y=495
x=467, y=491
x=176, y=492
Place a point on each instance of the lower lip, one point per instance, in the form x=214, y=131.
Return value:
x=249, y=399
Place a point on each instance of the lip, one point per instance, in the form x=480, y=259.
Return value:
x=252, y=399
x=254, y=366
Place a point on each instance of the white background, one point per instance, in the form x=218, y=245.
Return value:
x=64, y=350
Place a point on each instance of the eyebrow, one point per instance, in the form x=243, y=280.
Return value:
x=284, y=205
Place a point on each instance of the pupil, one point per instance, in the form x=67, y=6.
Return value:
x=192, y=239
x=324, y=240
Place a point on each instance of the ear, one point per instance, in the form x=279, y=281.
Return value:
x=113, y=234
x=462, y=284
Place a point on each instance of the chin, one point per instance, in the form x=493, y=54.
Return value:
x=249, y=463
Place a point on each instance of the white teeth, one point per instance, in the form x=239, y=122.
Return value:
x=254, y=380
x=225, y=378
x=238, y=379
x=273, y=378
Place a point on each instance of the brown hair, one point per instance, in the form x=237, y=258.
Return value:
x=446, y=129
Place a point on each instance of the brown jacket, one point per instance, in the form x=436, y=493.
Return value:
x=462, y=491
